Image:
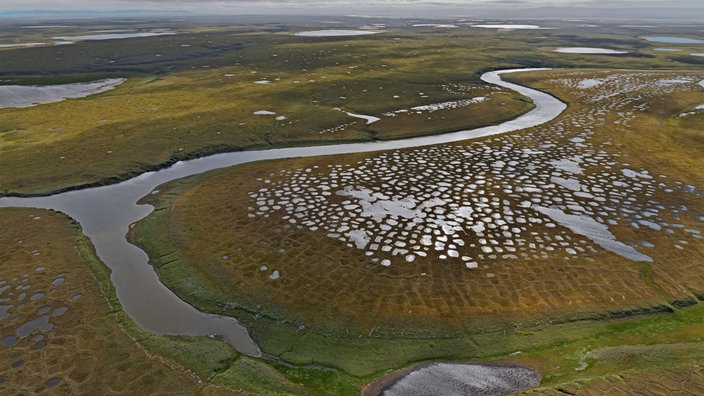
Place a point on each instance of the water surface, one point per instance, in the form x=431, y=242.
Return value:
x=112, y=36
x=335, y=32
x=588, y=50
x=19, y=96
x=463, y=379
x=674, y=40
x=107, y=212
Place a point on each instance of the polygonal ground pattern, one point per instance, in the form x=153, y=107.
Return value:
x=56, y=335
x=548, y=222
x=682, y=380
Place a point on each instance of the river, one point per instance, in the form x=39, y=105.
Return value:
x=106, y=213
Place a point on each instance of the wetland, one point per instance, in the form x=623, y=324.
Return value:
x=107, y=212
x=316, y=212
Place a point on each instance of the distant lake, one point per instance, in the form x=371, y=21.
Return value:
x=674, y=40
x=107, y=212
x=335, y=32
x=588, y=50
x=31, y=95
x=507, y=26
x=111, y=36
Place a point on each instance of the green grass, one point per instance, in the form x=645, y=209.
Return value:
x=179, y=105
x=213, y=362
x=204, y=356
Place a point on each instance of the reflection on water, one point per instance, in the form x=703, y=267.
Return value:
x=19, y=96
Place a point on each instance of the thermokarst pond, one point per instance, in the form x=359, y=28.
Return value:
x=589, y=50
x=114, y=35
x=33, y=95
x=674, y=40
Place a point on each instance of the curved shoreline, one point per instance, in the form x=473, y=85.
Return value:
x=387, y=382
x=107, y=213
x=208, y=151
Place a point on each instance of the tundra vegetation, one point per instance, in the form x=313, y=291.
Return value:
x=573, y=248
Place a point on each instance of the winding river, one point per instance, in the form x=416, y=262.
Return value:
x=106, y=213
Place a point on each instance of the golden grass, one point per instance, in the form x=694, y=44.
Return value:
x=85, y=351
x=328, y=286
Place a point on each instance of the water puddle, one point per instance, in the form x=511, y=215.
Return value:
x=52, y=382
x=9, y=340
x=41, y=323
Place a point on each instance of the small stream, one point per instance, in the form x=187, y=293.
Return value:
x=106, y=213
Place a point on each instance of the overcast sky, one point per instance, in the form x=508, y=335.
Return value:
x=343, y=6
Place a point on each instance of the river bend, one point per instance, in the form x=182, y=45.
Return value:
x=106, y=213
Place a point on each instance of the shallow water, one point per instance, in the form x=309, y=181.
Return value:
x=112, y=36
x=508, y=26
x=368, y=118
x=597, y=232
x=19, y=96
x=588, y=50
x=41, y=323
x=674, y=40
x=20, y=45
x=463, y=379
x=335, y=32
x=106, y=213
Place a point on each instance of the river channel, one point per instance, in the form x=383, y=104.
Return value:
x=106, y=213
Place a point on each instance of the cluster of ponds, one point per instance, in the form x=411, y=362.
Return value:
x=546, y=192
x=28, y=314
x=430, y=108
x=552, y=190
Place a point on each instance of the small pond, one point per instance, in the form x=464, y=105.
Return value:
x=674, y=40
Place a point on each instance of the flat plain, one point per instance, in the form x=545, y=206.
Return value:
x=572, y=248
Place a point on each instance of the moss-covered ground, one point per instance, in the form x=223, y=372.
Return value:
x=335, y=308
x=109, y=353
x=338, y=323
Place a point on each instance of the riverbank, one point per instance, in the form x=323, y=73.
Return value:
x=114, y=208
